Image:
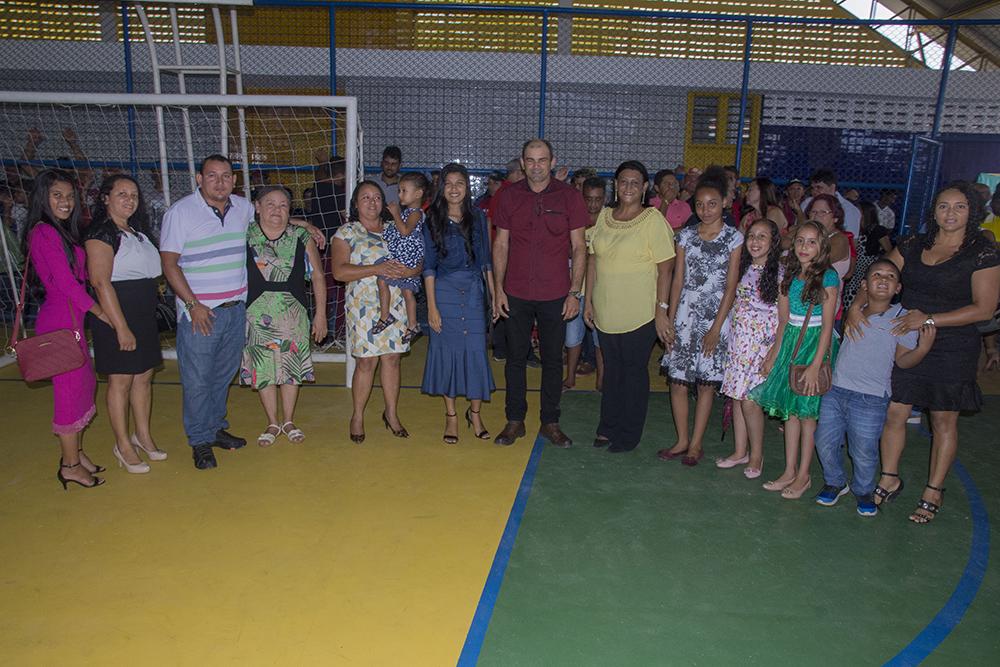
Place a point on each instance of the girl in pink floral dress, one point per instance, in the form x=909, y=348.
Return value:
x=752, y=332
x=59, y=266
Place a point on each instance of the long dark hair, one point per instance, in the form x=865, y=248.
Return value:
x=437, y=215
x=772, y=266
x=813, y=291
x=40, y=213
x=977, y=213
x=139, y=220
x=768, y=195
x=353, y=209
x=869, y=225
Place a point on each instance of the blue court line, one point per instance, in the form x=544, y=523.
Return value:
x=968, y=585
x=484, y=610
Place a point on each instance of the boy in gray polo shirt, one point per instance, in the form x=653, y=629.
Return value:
x=857, y=402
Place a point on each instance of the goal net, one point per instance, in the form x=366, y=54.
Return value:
x=310, y=144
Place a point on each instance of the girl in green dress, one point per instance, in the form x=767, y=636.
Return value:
x=808, y=280
x=277, y=352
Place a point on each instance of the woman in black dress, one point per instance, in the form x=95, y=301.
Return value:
x=951, y=280
x=123, y=265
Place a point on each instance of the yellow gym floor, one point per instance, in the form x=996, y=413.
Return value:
x=321, y=553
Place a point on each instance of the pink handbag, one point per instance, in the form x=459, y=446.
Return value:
x=45, y=355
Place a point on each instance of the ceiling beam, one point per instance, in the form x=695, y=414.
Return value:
x=969, y=8
x=977, y=47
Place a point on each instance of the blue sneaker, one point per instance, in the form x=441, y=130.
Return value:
x=830, y=495
x=867, y=506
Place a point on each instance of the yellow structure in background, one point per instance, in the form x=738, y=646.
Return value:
x=711, y=132
x=436, y=30
x=287, y=136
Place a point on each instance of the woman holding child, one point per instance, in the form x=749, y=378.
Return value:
x=359, y=255
x=951, y=281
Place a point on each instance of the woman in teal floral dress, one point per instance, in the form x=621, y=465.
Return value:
x=277, y=352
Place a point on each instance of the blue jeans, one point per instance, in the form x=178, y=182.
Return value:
x=860, y=417
x=577, y=330
x=207, y=365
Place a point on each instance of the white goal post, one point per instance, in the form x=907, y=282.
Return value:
x=164, y=136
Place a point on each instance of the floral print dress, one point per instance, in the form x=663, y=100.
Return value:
x=705, y=266
x=277, y=347
x=753, y=327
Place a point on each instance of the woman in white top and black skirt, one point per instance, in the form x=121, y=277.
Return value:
x=123, y=264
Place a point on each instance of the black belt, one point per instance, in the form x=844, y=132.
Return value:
x=228, y=304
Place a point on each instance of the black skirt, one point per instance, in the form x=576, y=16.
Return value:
x=138, y=299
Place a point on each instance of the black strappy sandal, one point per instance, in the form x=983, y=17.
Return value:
x=450, y=439
x=482, y=435
x=412, y=334
x=927, y=506
x=383, y=324
x=885, y=494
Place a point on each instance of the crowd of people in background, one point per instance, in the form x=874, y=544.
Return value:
x=800, y=304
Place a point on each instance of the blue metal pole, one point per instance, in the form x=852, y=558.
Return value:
x=129, y=88
x=332, y=16
x=744, y=93
x=909, y=186
x=544, y=74
x=949, y=48
x=332, y=20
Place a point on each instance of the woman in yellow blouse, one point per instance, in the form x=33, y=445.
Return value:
x=628, y=283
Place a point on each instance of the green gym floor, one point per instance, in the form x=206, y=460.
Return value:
x=411, y=552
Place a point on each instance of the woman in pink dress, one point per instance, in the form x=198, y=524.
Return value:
x=58, y=268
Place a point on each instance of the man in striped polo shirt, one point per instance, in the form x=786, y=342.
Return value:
x=203, y=247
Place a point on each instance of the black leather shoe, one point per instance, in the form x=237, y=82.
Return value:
x=226, y=440
x=554, y=434
x=615, y=448
x=203, y=457
x=511, y=432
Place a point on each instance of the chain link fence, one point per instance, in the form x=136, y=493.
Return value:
x=821, y=89
x=471, y=83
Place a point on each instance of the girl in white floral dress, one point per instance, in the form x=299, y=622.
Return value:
x=704, y=287
x=753, y=327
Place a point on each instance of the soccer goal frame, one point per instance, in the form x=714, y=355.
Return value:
x=343, y=111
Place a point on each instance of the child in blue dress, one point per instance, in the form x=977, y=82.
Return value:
x=405, y=241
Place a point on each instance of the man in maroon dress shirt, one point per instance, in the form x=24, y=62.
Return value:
x=540, y=223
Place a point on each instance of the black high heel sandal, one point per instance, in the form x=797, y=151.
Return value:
x=482, y=435
x=401, y=433
x=927, y=506
x=65, y=480
x=885, y=494
x=450, y=439
x=97, y=468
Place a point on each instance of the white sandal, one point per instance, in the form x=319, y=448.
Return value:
x=294, y=435
x=266, y=439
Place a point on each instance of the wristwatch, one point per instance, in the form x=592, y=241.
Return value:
x=664, y=305
x=929, y=321
x=575, y=293
x=188, y=305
